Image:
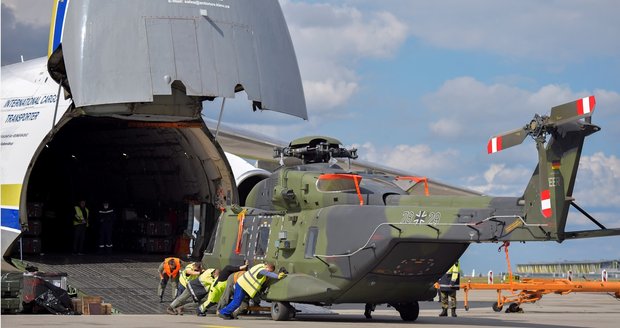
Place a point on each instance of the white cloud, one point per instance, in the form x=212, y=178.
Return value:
x=497, y=108
x=418, y=159
x=330, y=39
x=551, y=31
x=447, y=127
x=501, y=180
x=37, y=13
x=329, y=93
x=598, y=181
x=597, y=185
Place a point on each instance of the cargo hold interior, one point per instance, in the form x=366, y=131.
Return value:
x=164, y=181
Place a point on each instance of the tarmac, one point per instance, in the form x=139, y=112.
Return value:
x=572, y=310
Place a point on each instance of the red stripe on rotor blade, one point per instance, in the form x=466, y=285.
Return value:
x=580, y=107
x=592, y=103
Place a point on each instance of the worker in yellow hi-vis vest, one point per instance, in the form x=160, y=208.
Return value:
x=448, y=285
x=248, y=285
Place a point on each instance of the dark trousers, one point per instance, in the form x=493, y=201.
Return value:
x=79, y=233
x=105, y=234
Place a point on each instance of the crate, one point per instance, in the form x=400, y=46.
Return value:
x=35, y=210
x=35, y=226
x=76, y=304
x=11, y=305
x=157, y=228
x=31, y=245
x=87, y=302
x=34, y=286
x=12, y=283
x=106, y=308
x=157, y=245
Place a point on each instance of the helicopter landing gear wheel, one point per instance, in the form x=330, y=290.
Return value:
x=281, y=311
x=496, y=307
x=408, y=311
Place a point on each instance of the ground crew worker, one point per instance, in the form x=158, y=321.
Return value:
x=196, y=290
x=80, y=223
x=189, y=273
x=218, y=287
x=106, y=226
x=448, y=285
x=230, y=290
x=168, y=271
x=248, y=285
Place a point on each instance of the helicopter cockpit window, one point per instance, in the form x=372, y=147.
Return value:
x=335, y=185
x=339, y=182
x=313, y=233
x=262, y=242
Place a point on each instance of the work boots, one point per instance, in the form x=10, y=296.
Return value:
x=454, y=313
x=444, y=313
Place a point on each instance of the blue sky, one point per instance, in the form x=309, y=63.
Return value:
x=422, y=85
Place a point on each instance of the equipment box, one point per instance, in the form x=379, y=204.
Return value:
x=31, y=245
x=34, y=285
x=156, y=245
x=157, y=228
x=34, y=227
x=11, y=284
x=35, y=210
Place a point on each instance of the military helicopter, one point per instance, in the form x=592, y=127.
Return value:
x=357, y=237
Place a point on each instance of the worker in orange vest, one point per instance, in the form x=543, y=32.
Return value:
x=168, y=271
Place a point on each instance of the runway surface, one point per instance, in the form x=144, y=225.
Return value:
x=573, y=310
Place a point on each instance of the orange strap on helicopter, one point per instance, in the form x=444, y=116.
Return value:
x=240, y=219
x=356, y=178
x=417, y=180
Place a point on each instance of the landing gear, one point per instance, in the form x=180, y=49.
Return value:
x=282, y=311
x=496, y=307
x=408, y=311
x=514, y=308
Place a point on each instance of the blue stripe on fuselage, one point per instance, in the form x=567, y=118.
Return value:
x=59, y=23
x=10, y=218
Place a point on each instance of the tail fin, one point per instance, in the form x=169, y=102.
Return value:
x=549, y=192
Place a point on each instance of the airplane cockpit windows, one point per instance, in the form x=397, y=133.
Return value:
x=262, y=241
x=313, y=233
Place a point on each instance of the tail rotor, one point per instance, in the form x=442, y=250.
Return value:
x=541, y=125
x=549, y=192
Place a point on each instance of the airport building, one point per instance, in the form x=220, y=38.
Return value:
x=588, y=269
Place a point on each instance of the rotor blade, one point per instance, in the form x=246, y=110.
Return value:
x=506, y=140
x=572, y=111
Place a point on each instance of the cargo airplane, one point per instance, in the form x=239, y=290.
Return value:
x=114, y=112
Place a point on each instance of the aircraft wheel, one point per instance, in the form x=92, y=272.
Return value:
x=513, y=308
x=280, y=311
x=497, y=308
x=467, y=308
x=408, y=311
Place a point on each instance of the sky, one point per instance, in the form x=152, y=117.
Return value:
x=422, y=86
